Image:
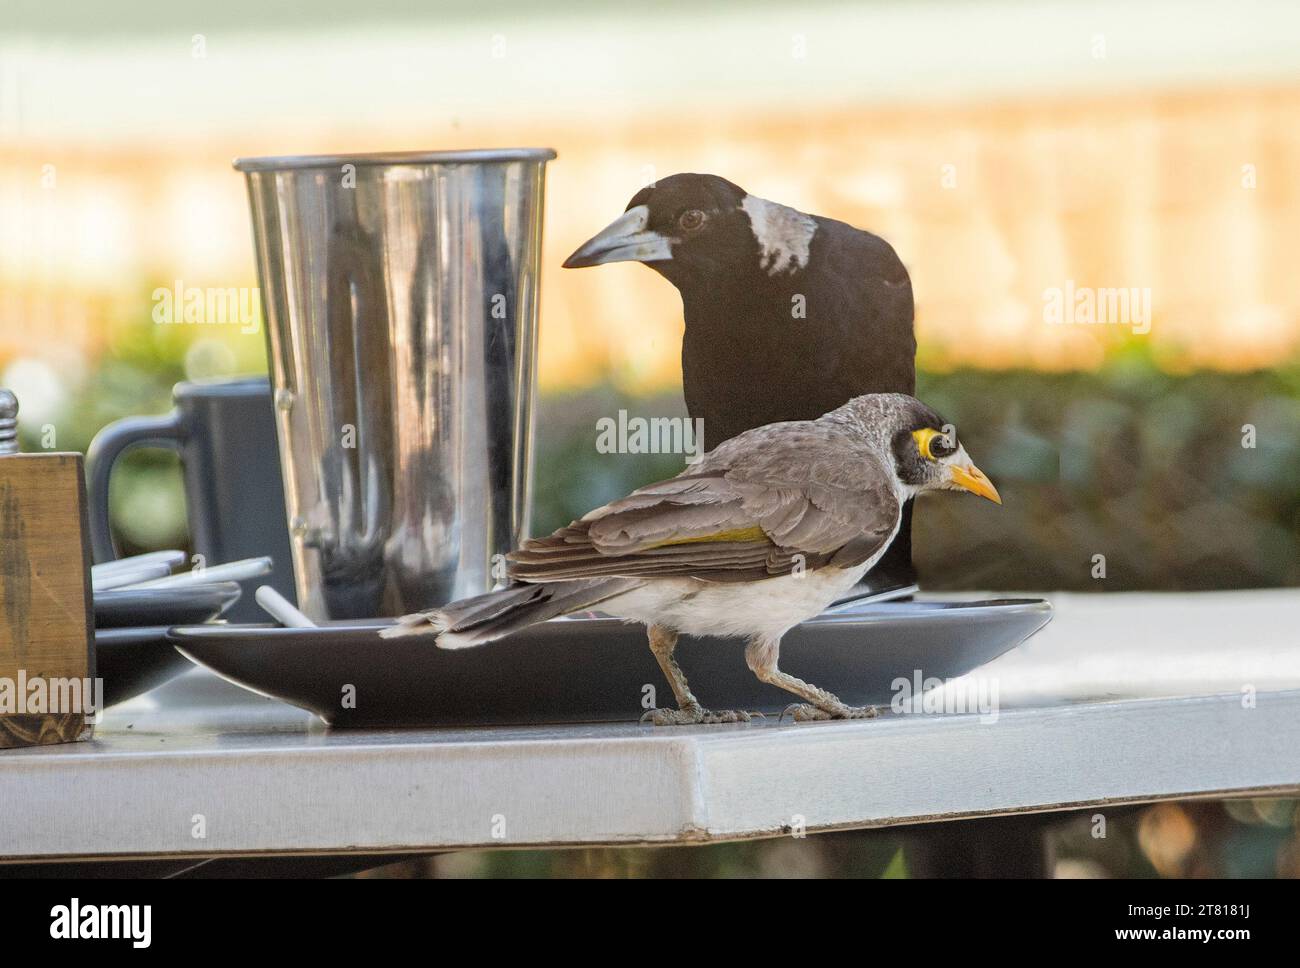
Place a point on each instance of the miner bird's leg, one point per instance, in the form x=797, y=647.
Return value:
x=689, y=712
x=761, y=656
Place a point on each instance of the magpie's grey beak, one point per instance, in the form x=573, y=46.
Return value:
x=626, y=239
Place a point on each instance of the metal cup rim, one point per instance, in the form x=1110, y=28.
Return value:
x=477, y=156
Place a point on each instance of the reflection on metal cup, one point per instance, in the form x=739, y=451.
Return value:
x=400, y=292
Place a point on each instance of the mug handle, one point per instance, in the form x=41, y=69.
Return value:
x=111, y=443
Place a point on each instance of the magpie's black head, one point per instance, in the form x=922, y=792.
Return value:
x=684, y=226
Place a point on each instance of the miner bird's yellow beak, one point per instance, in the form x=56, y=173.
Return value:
x=971, y=478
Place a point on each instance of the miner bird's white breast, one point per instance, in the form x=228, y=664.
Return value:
x=767, y=607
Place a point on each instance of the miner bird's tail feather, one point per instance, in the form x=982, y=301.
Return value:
x=484, y=618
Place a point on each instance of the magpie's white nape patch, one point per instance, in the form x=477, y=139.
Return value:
x=784, y=234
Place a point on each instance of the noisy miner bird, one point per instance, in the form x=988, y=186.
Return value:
x=788, y=315
x=760, y=534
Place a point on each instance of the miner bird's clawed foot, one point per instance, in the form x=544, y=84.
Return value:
x=803, y=712
x=694, y=715
x=663, y=643
x=761, y=656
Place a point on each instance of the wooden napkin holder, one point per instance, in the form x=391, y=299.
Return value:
x=47, y=666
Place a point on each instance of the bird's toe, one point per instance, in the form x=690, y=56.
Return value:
x=669, y=717
x=693, y=716
x=689, y=716
x=802, y=712
x=859, y=712
x=725, y=716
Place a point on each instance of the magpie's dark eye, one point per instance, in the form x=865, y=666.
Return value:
x=690, y=220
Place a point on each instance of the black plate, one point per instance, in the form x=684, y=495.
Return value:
x=133, y=661
x=120, y=608
x=594, y=670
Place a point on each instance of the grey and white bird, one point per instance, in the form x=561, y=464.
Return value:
x=762, y=533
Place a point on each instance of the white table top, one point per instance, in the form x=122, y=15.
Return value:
x=255, y=776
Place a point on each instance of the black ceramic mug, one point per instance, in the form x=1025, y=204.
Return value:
x=224, y=432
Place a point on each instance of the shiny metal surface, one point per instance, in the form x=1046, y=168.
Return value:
x=400, y=294
x=459, y=157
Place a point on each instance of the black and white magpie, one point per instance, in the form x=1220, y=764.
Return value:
x=788, y=315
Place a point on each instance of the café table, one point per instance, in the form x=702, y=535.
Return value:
x=1125, y=698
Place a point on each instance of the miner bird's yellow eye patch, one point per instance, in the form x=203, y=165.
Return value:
x=925, y=438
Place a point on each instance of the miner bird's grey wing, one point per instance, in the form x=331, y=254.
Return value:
x=773, y=500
